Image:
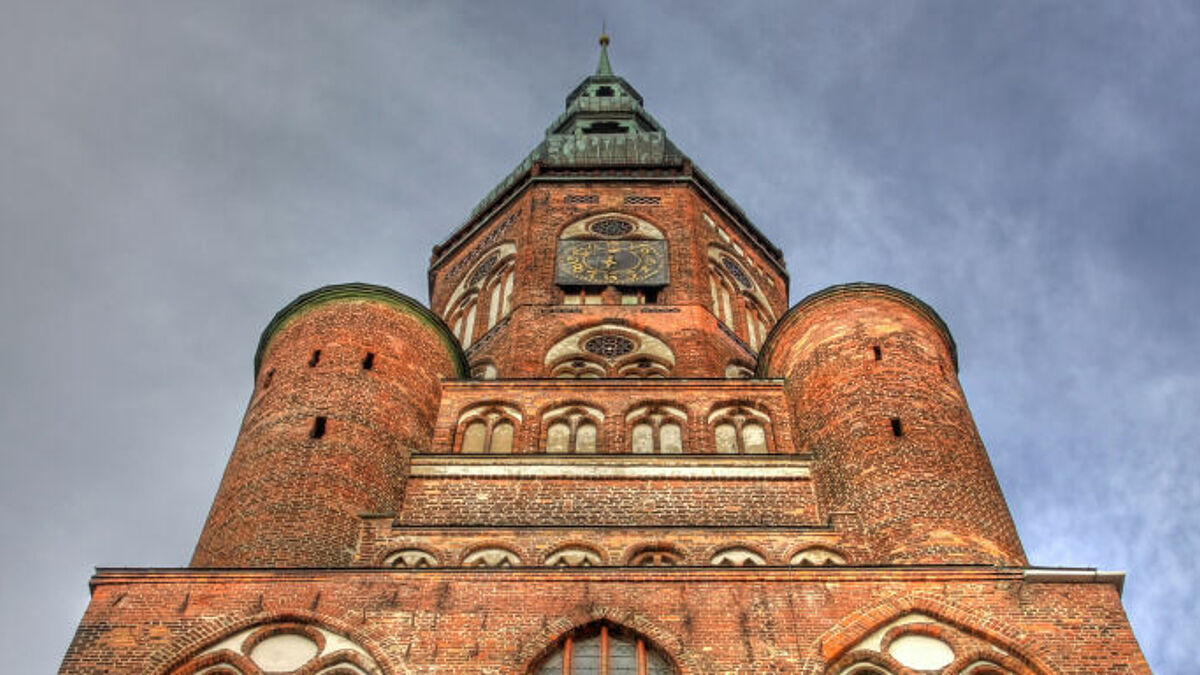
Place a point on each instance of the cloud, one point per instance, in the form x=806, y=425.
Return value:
x=173, y=176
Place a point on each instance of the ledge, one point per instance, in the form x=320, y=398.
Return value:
x=631, y=467
x=1059, y=575
x=858, y=574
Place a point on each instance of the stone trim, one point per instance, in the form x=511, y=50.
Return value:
x=630, y=467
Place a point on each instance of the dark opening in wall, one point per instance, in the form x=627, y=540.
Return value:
x=368, y=361
x=606, y=127
x=316, y=358
x=878, y=353
x=318, y=427
x=897, y=428
x=268, y=377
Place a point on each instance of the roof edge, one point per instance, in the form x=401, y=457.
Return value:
x=361, y=291
x=850, y=289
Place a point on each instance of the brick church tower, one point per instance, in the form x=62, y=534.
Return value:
x=607, y=447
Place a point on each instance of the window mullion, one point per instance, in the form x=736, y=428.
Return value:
x=641, y=657
x=604, y=650
x=567, y=656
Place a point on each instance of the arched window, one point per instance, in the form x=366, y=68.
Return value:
x=610, y=351
x=572, y=429
x=573, y=556
x=644, y=369
x=656, y=429
x=604, y=649
x=462, y=317
x=484, y=370
x=655, y=557
x=737, y=371
x=739, y=430
x=737, y=300
x=492, y=557
x=737, y=556
x=579, y=368
x=282, y=647
x=484, y=296
x=756, y=324
x=490, y=428
x=410, y=558
x=816, y=556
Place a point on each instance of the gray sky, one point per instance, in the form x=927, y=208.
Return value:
x=171, y=174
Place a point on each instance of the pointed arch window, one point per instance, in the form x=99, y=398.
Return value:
x=604, y=649
x=484, y=296
x=656, y=429
x=740, y=430
x=488, y=429
x=572, y=429
x=737, y=300
x=281, y=647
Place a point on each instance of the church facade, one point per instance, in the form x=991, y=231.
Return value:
x=608, y=446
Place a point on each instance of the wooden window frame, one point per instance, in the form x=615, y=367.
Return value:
x=568, y=648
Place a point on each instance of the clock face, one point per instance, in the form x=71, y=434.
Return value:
x=612, y=263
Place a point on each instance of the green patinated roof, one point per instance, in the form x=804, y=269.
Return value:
x=604, y=68
x=604, y=125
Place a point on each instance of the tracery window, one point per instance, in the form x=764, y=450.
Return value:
x=283, y=647
x=572, y=429
x=492, y=557
x=489, y=428
x=484, y=294
x=739, y=430
x=609, y=351
x=573, y=556
x=643, y=369
x=816, y=556
x=579, y=368
x=737, y=556
x=655, y=557
x=410, y=558
x=912, y=641
x=602, y=649
x=656, y=429
x=737, y=300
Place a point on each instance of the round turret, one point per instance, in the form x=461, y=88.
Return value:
x=871, y=373
x=347, y=385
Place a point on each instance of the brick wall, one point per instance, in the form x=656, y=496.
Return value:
x=288, y=499
x=891, y=433
x=718, y=620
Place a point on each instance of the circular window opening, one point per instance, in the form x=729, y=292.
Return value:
x=610, y=227
x=609, y=346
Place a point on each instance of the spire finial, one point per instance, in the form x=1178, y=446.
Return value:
x=604, y=68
